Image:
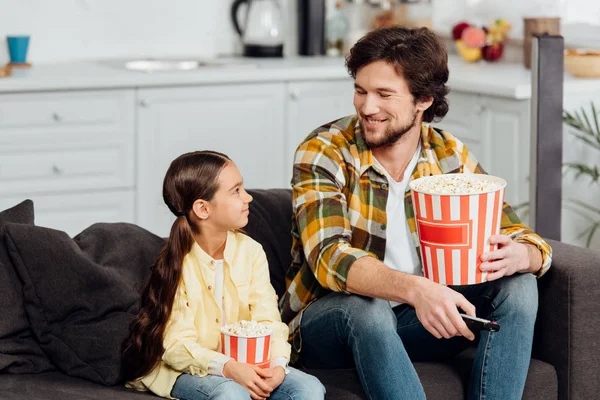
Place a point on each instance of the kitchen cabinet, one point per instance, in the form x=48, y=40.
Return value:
x=506, y=127
x=496, y=131
x=244, y=121
x=72, y=153
x=310, y=105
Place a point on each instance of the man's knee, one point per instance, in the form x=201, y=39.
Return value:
x=520, y=295
x=229, y=390
x=367, y=313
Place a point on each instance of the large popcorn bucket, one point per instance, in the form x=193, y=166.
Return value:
x=251, y=350
x=454, y=229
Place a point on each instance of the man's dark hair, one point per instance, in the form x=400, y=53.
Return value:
x=417, y=54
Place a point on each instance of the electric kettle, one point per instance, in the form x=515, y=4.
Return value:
x=262, y=32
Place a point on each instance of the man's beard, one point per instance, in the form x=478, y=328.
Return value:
x=391, y=136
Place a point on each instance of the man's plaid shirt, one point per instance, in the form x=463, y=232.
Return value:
x=339, y=203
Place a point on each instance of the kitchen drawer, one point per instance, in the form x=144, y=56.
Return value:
x=77, y=165
x=98, y=111
x=74, y=212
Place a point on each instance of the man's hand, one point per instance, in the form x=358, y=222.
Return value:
x=278, y=375
x=510, y=258
x=251, y=377
x=437, y=309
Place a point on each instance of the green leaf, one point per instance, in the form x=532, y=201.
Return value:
x=582, y=169
x=593, y=230
x=580, y=121
x=587, y=122
x=595, y=114
x=585, y=206
x=586, y=140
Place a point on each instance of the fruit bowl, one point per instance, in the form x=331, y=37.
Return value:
x=474, y=43
x=583, y=63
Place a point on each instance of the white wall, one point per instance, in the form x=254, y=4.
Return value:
x=91, y=29
x=84, y=29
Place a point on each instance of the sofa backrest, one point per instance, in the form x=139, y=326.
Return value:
x=270, y=224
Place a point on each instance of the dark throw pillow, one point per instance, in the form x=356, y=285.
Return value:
x=270, y=224
x=82, y=293
x=19, y=351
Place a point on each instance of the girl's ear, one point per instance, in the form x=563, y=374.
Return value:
x=200, y=208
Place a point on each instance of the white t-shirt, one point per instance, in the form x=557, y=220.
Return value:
x=400, y=252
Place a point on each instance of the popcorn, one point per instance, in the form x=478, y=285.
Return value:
x=248, y=342
x=246, y=329
x=457, y=184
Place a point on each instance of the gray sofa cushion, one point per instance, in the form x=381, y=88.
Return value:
x=441, y=381
x=565, y=333
x=19, y=352
x=81, y=294
x=269, y=223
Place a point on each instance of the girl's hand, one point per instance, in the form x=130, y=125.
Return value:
x=510, y=258
x=278, y=375
x=252, y=378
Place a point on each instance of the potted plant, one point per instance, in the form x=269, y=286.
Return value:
x=586, y=128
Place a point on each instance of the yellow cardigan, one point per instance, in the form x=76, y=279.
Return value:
x=192, y=336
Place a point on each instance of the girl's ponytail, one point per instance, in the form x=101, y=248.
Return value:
x=190, y=177
x=143, y=349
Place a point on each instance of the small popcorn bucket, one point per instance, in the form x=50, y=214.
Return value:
x=454, y=229
x=251, y=350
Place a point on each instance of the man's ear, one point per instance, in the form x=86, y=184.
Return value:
x=201, y=209
x=424, y=103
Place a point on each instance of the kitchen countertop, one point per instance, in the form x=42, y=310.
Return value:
x=495, y=79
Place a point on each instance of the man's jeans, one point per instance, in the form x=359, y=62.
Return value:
x=297, y=385
x=342, y=330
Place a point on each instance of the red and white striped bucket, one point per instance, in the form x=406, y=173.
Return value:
x=454, y=230
x=250, y=350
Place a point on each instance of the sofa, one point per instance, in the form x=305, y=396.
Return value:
x=66, y=303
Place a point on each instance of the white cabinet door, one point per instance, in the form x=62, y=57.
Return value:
x=244, y=121
x=505, y=125
x=496, y=131
x=310, y=105
x=74, y=212
x=463, y=120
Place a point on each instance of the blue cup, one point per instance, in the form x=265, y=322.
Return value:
x=17, y=48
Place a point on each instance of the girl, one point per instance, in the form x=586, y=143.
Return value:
x=208, y=274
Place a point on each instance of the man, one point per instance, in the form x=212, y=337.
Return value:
x=356, y=292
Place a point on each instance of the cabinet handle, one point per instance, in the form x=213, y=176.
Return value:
x=294, y=95
x=56, y=170
x=480, y=108
x=56, y=117
x=143, y=103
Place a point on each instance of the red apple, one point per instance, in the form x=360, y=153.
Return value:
x=458, y=29
x=493, y=51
